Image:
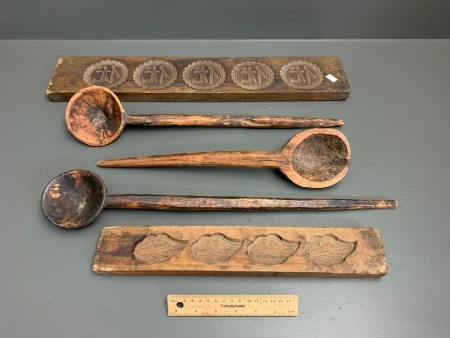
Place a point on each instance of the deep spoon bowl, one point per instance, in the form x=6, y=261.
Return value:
x=316, y=158
x=74, y=199
x=95, y=116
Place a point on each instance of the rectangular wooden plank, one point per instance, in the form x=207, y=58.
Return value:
x=203, y=79
x=240, y=250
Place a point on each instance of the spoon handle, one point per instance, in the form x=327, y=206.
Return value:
x=203, y=203
x=243, y=121
x=266, y=159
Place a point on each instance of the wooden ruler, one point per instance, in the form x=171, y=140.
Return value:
x=232, y=305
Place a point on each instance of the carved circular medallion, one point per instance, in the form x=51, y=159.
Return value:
x=252, y=75
x=155, y=74
x=204, y=75
x=301, y=74
x=106, y=73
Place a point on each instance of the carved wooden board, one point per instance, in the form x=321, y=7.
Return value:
x=240, y=250
x=203, y=79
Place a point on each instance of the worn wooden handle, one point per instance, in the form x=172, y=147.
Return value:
x=242, y=121
x=203, y=203
x=266, y=159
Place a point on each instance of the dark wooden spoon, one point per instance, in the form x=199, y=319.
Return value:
x=95, y=116
x=76, y=198
x=314, y=158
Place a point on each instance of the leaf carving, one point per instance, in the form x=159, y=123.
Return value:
x=157, y=248
x=328, y=250
x=271, y=249
x=215, y=248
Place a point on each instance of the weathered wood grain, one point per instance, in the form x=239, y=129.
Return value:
x=235, y=203
x=202, y=79
x=240, y=251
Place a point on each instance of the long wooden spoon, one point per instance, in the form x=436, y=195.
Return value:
x=76, y=198
x=314, y=158
x=95, y=116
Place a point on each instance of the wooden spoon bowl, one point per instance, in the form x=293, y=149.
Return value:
x=74, y=198
x=316, y=158
x=95, y=117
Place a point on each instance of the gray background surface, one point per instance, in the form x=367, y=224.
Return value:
x=231, y=19
x=396, y=121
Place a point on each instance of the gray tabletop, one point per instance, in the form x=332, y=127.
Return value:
x=396, y=120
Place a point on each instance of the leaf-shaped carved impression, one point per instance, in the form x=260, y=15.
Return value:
x=157, y=248
x=328, y=250
x=215, y=248
x=271, y=249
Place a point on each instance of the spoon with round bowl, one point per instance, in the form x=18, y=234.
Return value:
x=76, y=198
x=314, y=158
x=96, y=117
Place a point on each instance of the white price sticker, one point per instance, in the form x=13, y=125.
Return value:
x=331, y=78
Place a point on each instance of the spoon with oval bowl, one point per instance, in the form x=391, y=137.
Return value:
x=314, y=158
x=95, y=116
x=76, y=198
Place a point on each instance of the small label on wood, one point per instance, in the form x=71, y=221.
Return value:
x=331, y=78
x=241, y=250
x=202, y=79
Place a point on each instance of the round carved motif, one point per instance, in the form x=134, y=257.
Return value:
x=155, y=74
x=204, y=75
x=252, y=75
x=106, y=73
x=301, y=74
